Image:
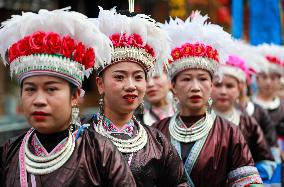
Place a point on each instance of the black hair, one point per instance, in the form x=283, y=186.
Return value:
x=73, y=88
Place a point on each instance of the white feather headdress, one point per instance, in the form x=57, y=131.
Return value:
x=244, y=61
x=61, y=23
x=196, y=43
x=150, y=53
x=274, y=55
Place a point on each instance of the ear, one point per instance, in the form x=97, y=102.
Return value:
x=100, y=85
x=75, y=99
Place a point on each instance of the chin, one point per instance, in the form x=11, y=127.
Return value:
x=195, y=107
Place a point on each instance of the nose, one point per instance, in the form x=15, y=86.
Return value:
x=39, y=100
x=130, y=85
x=195, y=86
x=150, y=82
x=223, y=90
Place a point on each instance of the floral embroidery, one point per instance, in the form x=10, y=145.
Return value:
x=128, y=128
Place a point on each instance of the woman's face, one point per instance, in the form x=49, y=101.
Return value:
x=158, y=88
x=268, y=84
x=123, y=86
x=47, y=103
x=225, y=93
x=193, y=88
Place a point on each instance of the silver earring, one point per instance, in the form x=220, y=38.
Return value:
x=176, y=104
x=75, y=120
x=101, y=104
x=141, y=107
x=209, y=105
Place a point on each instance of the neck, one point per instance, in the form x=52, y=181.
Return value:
x=119, y=119
x=160, y=104
x=265, y=97
x=223, y=110
x=185, y=111
x=50, y=141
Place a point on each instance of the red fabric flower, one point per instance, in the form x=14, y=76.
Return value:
x=13, y=52
x=176, y=53
x=52, y=43
x=211, y=53
x=79, y=52
x=149, y=50
x=138, y=42
x=115, y=39
x=67, y=46
x=89, y=58
x=199, y=50
x=36, y=42
x=187, y=49
x=23, y=47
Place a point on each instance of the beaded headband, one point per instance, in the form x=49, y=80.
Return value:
x=41, y=44
x=196, y=44
x=274, y=55
x=136, y=39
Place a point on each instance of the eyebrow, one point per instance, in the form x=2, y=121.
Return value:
x=46, y=83
x=125, y=72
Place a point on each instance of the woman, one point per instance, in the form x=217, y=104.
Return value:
x=225, y=94
x=49, y=60
x=268, y=82
x=136, y=41
x=159, y=97
x=213, y=150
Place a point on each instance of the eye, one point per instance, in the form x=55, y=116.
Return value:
x=29, y=89
x=203, y=78
x=139, y=77
x=186, y=79
x=217, y=85
x=230, y=86
x=51, y=89
x=119, y=77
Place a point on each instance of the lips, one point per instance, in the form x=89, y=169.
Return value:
x=151, y=93
x=39, y=115
x=130, y=98
x=195, y=97
x=222, y=99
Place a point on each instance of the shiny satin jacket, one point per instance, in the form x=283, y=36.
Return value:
x=277, y=116
x=94, y=162
x=157, y=164
x=224, y=150
x=255, y=138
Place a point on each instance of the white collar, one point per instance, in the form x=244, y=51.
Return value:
x=268, y=105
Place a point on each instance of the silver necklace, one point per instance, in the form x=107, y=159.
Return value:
x=198, y=130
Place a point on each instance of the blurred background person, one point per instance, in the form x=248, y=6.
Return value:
x=159, y=99
x=225, y=93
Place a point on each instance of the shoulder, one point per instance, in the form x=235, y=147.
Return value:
x=162, y=123
x=11, y=147
x=96, y=142
x=225, y=129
